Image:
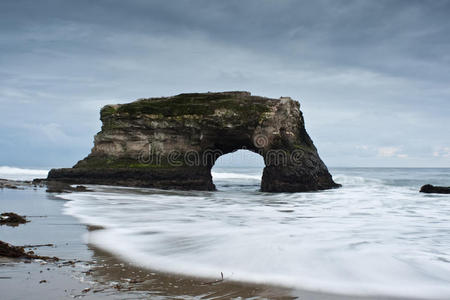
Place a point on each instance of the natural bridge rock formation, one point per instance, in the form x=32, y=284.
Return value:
x=173, y=142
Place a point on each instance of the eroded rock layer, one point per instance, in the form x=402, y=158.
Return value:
x=173, y=142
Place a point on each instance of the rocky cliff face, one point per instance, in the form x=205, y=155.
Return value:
x=173, y=142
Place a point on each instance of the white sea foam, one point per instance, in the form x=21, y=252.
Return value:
x=367, y=238
x=13, y=173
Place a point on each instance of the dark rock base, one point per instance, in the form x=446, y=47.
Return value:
x=292, y=180
x=163, y=178
x=274, y=179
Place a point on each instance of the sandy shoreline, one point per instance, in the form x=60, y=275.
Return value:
x=97, y=274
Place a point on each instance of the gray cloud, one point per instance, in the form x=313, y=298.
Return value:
x=372, y=76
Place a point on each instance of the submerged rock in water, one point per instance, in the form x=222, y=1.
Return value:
x=7, y=184
x=173, y=142
x=431, y=189
x=62, y=187
x=14, y=184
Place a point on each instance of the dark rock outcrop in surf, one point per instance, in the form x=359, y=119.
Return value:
x=431, y=189
x=173, y=142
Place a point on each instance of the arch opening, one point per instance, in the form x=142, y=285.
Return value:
x=238, y=170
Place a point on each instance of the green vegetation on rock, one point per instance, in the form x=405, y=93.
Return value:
x=107, y=111
x=191, y=104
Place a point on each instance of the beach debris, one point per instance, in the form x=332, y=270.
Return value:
x=69, y=262
x=88, y=272
x=39, y=245
x=42, y=281
x=8, y=250
x=116, y=286
x=134, y=281
x=86, y=290
x=12, y=219
x=215, y=281
x=94, y=227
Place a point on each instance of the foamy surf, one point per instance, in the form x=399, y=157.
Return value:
x=368, y=238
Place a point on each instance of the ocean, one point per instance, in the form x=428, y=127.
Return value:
x=377, y=235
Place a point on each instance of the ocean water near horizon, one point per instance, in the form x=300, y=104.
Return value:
x=14, y=173
x=377, y=235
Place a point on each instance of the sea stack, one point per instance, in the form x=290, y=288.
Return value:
x=431, y=189
x=173, y=142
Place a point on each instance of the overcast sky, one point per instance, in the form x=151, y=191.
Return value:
x=372, y=77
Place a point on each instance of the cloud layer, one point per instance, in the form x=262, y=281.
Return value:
x=371, y=76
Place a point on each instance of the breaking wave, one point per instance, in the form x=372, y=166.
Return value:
x=367, y=238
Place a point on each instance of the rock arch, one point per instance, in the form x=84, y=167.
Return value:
x=173, y=142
